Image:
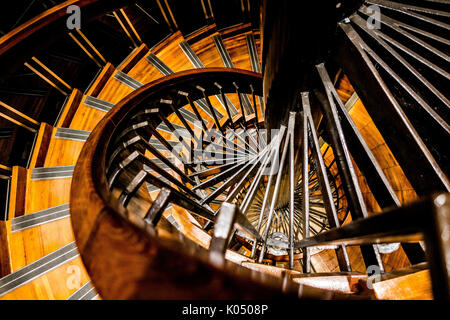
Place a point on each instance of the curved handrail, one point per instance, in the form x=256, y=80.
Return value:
x=124, y=257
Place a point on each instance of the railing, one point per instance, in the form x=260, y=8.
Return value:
x=115, y=232
x=111, y=210
x=426, y=220
x=117, y=224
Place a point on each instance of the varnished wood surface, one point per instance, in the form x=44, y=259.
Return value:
x=5, y=248
x=237, y=49
x=41, y=146
x=86, y=118
x=341, y=282
x=70, y=108
x=57, y=284
x=19, y=185
x=171, y=53
x=384, y=157
x=136, y=55
x=101, y=80
x=32, y=244
x=63, y=152
x=275, y=271
x=207, y=53
x=413, y=286
x=43, y=194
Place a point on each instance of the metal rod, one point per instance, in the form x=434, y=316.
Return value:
x=278, y=140
x=291, y=129
x=352, y=190
x=275, y=196
x=155, y=212
x=305, y=185
x=344, y=262
x=225, y=103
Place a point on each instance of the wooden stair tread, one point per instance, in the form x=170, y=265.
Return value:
x=407, y=284
x=275, y=271
x=345, y=282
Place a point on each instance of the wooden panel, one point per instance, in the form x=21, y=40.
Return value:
x=114, y=91
x=86, y=118
x=344, y=88
x=190, y=230
x=41, y=146
x=236, y=257
x=5, y=248
x=383, y=155
x=341, y=282
x=200, y=34
x=238, y=51
x=63, y=152
x=135, y=56
x=43, y=194
x=34, y=243
x=274, y=271
x=18, y=191
x=356, y=259
x=395, y=260
x=70, y=108
x=325, y=261
x=207, y=53
x=101, y=80
x=144, y=72
x=171, y=54
x=415, y=286
x=359, y=114
x=372, y=136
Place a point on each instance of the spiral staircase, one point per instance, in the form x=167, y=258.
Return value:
x=145, y=156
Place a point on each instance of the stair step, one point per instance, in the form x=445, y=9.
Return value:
x=158, y=64
x=253, y=52
x=86, y=292
x=197, y=63
x=46, y=173
x=77, y=119
x=345, y=282
x=72, y=134
x=118, y=86
x=130, y=61
x=41, y=217
x=37, y=268
x=64, y=147
x=275, y=271
x=224, y=55
x=99, y=104
x=407, y=284
x=191, y=55
x=89, y=112
x=127, y=80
